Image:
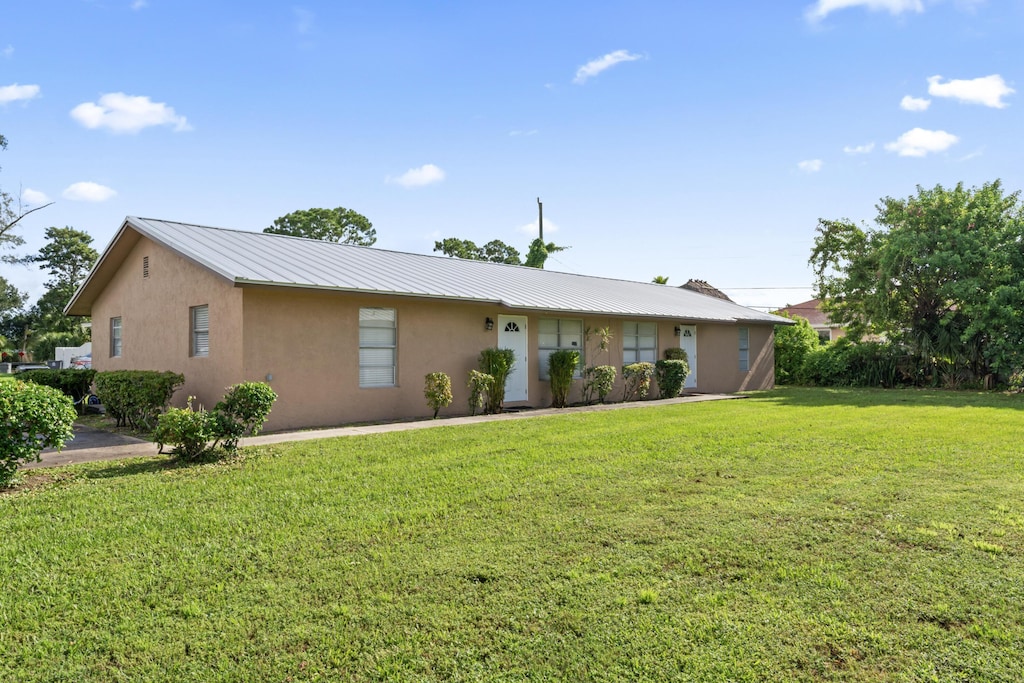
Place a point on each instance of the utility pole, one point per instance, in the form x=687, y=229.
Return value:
x=540, y=218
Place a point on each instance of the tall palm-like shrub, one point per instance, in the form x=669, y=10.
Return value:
x=561, y=367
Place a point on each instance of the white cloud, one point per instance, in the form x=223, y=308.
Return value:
x=533, y=229
x=139, y=4
x=919, y=142
x=973, y=155
x=822, y=8
x=7, y=51
x=34, y=197
x=127, y=114
x=88, y=192
x=859, y=149
x=427, y=174
x=909, y=103
x=596, y=66
x=13, y=93
x=522, y=133
x=810, y=165
x=989, y=90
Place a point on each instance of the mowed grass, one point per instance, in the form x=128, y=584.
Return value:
x=796, y=535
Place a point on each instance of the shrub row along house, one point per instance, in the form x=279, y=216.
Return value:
x=346, y=334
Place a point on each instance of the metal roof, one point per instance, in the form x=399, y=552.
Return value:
x=256, y=258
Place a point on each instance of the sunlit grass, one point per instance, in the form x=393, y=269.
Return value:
x=796, y=535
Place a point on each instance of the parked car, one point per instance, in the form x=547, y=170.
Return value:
x=25, y=367
x=82, y=362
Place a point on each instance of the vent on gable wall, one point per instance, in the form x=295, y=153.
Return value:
x=145, y=266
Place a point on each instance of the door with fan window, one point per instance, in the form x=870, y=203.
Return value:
x=512, y=335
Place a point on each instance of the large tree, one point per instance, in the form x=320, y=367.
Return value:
x=943, y=272
x=331, y=225
x=497, y=251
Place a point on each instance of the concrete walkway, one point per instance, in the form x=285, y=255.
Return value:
x=95, y=447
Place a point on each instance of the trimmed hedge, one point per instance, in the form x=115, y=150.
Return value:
x=75, y=384
x=243, y=411
x=32, y=417
x=136, y=398
x=671, y=376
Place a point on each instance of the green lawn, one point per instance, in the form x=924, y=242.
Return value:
x=797, y=535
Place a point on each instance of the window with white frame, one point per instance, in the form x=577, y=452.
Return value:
x=378, y=346
x=115, y=337
x=744, y=349
x=200, y=324
x=639, y=342
x=554, y=335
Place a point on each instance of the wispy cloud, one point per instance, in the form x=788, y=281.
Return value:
x=428, y=174
x=919, y=142
x=596, y=66
x=973, y=155
x=859, y=149
x=988, y=90
x=122, y=113
x=88, y=192
x=34, y=197
x=810, y=165
x=822, y=8
x=522, y=133
x=7, y=51
x=15, y=93
x=909, y=103
x=139, y=4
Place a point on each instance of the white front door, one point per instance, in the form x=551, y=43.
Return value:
x=688, y=343
x=512, y=335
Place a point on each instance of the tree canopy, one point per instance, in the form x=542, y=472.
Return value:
x=331, y=225
x=942, y=273
x=497, y=251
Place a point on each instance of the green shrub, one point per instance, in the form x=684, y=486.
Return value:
x=561, y=367
x=32, y=417
x=242, y=412
x=498, y=364
x=598, y=380
x=792, y=344
x=187, y=430
x=437, y=390
x=194, y=433
x=675, y=353
x=75, y=384
x=136, y=397
x=637, y=380
x=1016, y=381
x=671, y=376
x=479, y=386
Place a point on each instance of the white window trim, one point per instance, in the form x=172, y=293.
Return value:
x=116, y=349
x=636, y=348
x=377, y=345
x=744, y=339
x=544, y=351
x=196, y=331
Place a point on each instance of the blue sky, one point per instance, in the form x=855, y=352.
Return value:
x=686, y=139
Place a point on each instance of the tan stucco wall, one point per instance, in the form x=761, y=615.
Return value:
x=155, y=325
x=308, y=342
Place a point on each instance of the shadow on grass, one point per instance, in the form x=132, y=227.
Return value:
x=856, y=397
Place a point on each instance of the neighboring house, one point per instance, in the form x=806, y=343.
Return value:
x=346, y=334
x=811, y=310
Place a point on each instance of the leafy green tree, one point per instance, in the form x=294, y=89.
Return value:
x=792, y=344
x=943, y=273
x=331, y=225
x=497, y=251
x=11, y=298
